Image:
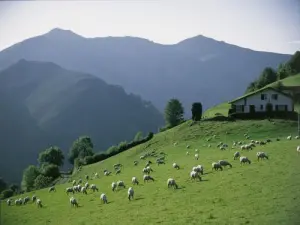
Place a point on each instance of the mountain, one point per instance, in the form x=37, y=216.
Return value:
x=196, y=69
x=43, y=104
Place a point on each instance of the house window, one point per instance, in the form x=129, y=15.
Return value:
x=239, y=108
x=261, y=107
x=263, y=96
x=274, y=96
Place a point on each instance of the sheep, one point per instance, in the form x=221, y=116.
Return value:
x=196, y=150
x=298, y=149
x=187, y=153
x=8, y=202
x=94, y=188
x=79, y=181
x=120, y=183
x=236, y=155
x=83, y=190
x=87, y=177
x=113, y=186
x=188, y=146
x=244, y=159
x=25, y=200
x=39, y=203
x=69, y=190
x=289, y=137
x=118, y=171
x=18, y=201
x=297, y=137
x=103, y=198
x=86, y=185
x=196, y=156
x=147, y=178
x=209, y=145
x=175, y=144
x=75, y=188
x=224, y=163
x=74, y=182
x=130, y=193
x=261, y=155
x=176, y=166
x=52, y=189
x=73, y=202
x=106, y=173
x=135, y=163
x=96, y=175
x=33, y=198
x=160, y=162
x=195, y=175
x=147, y=170
x=216, y=166
x=198, y=169
x=142, y=157
x=118, y=165
x=134, y=180
x=171, y=183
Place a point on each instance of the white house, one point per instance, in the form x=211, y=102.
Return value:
x=258, y=100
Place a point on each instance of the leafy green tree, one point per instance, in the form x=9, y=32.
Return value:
x=50, y=170
x=52, y=155
x=284, y=70
x=294, y=62
x=42, y=181
x=267, y=76
x=14, y=187
x=251, y=87
x=112, y=149
x=3, y=184
x=196, y=111
x=138, y=136
x=29, y=175
x=81, y=148
x=174, y=113
x=7, y=193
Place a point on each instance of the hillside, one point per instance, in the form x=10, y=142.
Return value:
x=224, y=107
x=44, y=99
x=264, y=192
x=141, y=66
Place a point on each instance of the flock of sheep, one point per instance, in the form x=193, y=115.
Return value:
x=196, y=172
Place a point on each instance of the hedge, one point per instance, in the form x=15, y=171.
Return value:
x=266, y=115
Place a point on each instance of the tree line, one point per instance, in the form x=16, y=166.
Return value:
x=270, y=75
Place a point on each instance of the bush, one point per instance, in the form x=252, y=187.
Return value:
x=7, y=193
x=42, y=181
x=51, y=170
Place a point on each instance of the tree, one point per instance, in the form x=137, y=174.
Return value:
x=81, y=148
x=251, y=87
x=138, y=136
x=42, y=181
x=174, y=113
x=196, y=111
x=284, y=70
x=50, y=170
x=29, y=175
x=52, y=155
x=3, y=184
x=14, y=187
x=7, y=193
x=267, y=76
x=294, y=62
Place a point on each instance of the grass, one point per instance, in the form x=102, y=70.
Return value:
x=218, y=109
x=265, y=192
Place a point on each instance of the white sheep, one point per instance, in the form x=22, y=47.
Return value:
x=86, y=185
x=69, y=190
x=79, y=181
x=187, y=153
x=236, y=155
x=113, y=186
x=224, y=163
x=244, y=159
x=171, y=183
x=96, y=175
x=147, y=178
x=147, y=170
x=176, y=166
x=261, y=155
x=130, y=193
x=160, y=161
x=198, y=169
x=216, y=166
x=25, y=200
x=39, y=203
x=73, y=202
x=74, y=182
x=195, y=175
x=196, y=150
x=120, y=183
x=106, y=173
x=83, y=190
x=103, y=198
x=289, y=137
x=52, y=189
x=94, y=187
x=298, y=149
x=297, y=137
x=175, y=144
x=134, y=180
x=188, y=146
x=18, y=201
x=197, y=156
x=8, y=202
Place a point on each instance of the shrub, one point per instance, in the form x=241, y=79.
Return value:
x=51, y=170
x=7, y=193
x=42, y=181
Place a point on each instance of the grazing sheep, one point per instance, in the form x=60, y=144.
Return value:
x=147, y=170
x=120, y=183
x=196, y=156
x=73, y=202
x=113, y=186
x=96, y=175
x=52, y=189
x=74, y=182
x=195, y=175
x=289, y=137
x=83, y=190
x=188, y=146
x=209, y=145
x=216, y=166
x=134, y=180
x=94, y=187
x=298, y=149
x=142, y=157
x=18, y=202
x=171, y=183
x=175, y=144
x=130, y=193
x=103, y=198
x=33, y=198
x=159, y=161
x=135, y=163
x=196, y=150
x=261, y=155
x=106, y=173
x=69, y=190
x=118, y=171
x=80, y=181
x=297, y=137
x=39, y=203
x=244, y=159
x=8, y=202
x=25, y=200
x=176, y=166
x=87, y=177
x=224, y=163
x=147, y=178
x=86, y=185
x=236, y=155
x=187, y=153
x=198, y=169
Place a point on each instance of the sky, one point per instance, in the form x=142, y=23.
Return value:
x=263, y=25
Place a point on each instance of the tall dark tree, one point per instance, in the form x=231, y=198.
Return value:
x=267, y=76
x=284, y=70
x=174, y=113
x=81, y=148
x=52, y=155
x=196, y=111
x=294, y=62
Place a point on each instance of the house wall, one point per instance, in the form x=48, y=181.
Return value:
x=257, y=102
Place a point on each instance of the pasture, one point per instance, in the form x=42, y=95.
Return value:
x=264, y=192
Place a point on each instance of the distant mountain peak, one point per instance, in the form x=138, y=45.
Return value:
x=62, y=33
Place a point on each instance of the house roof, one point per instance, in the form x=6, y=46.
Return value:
x=259, y=91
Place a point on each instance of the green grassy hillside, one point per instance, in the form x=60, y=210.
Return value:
x=265, y=192
x=224, y=107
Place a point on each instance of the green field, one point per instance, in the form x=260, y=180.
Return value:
x=265, y=192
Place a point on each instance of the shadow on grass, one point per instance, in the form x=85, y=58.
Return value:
x=139, y=198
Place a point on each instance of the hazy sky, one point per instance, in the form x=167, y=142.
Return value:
x=267, y=25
